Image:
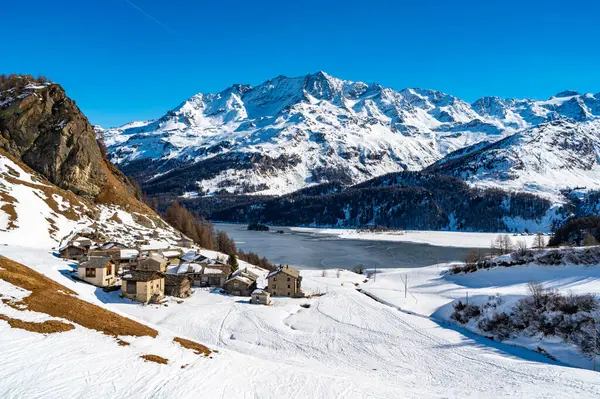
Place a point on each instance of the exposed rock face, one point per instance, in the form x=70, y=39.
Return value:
x=45, y=129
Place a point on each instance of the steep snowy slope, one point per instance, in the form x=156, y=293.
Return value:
x=288, y=133
x=542, y=160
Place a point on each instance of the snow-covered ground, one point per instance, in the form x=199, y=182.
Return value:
x=439, y=238
x=344, y=344
x=431, y=293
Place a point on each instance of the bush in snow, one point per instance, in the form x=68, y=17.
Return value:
x=463, y=312
x=500, y=324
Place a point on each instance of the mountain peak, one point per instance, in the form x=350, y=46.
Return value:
x=567, y=93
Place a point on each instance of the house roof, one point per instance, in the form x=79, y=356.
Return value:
x=260, y=291
x=95, y=262
x=209, y=270
x=185, y=268
x=112, y=244
x=142, y=275
x=172, y=253
x=129, y=253
x=175, y=279
x=241, y=279
x=71, y=245
x=192, y=256
x=290, y=271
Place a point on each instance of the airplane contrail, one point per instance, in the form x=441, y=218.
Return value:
x=151, y=17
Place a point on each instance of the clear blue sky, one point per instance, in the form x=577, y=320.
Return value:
x=129, y=60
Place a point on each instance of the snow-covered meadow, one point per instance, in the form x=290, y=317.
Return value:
x=340, y=344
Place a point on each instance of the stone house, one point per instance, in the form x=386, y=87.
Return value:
x=97, y=270
x=239, y=285
x=260, y=297
x=172, y=256
x=143, y=286
x=285, y=281
x=73, y=252
x=193, y=257
x=155, y=262
x=205, y=274
x=178, y=285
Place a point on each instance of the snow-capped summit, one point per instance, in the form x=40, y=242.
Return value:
x=290, y=132
x=542, y=160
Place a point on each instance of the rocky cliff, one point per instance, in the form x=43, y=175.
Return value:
x=43, y=127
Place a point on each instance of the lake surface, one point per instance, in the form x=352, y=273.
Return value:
x=308, y=250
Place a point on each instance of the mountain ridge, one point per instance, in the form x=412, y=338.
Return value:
x=314, y=129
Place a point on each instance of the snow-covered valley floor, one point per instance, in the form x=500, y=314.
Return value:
x=438, y=238
x=344, y=345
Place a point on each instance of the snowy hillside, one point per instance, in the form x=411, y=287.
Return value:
x=541, y=160
x=288, y=133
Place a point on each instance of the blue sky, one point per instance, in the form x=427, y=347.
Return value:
x=130, y=60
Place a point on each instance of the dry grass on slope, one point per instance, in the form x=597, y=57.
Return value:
x=155, y=359
x=46, y=327
x=49, y=297
x=199, y=349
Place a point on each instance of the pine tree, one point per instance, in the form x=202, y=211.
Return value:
x=233, y=262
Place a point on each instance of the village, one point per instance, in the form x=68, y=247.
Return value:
x=147, y=272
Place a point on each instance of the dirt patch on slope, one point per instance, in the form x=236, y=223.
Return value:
x=199, y=349
x=49, y=297
x=155, y=359
x=46, y=327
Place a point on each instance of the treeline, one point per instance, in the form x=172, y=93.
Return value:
x=405, y=200
x=578, y=232
x=203, y=233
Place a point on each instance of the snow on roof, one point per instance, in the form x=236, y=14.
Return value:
x=208, y=270
x=244, y=280
x=185, y=268
x=192, y=256
x=173, y=253
x=155, y=246
x=260, y=291
x=129, y=253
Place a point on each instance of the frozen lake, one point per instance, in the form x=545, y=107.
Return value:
x=309, y=250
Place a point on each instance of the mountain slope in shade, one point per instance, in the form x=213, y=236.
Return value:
x=542, y=160
x=289, y=133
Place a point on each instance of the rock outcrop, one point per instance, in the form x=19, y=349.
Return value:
x=43, y=127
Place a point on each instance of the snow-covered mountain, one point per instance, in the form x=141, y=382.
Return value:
x=542, y=160
x=289, y=133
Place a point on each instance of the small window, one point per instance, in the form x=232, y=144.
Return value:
x=288, y=294
x=289, y=286
x=288, y=279
x=90, y=272
x=109, y=269
x=274, y=286
x=274, y=278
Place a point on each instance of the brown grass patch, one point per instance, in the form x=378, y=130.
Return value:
x=115, y=218
x=47, y=296
x=198, y=349
x=155, y=359
x=46, y=327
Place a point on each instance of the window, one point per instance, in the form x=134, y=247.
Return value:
x=274, y=278
x=131, y=287
x=288, y=293
x=288, y=279
x=90, y=272
x=274, y=286
x=289, y=286
x=109, y=269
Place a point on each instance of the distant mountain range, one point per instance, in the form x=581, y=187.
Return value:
x=290, y=133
